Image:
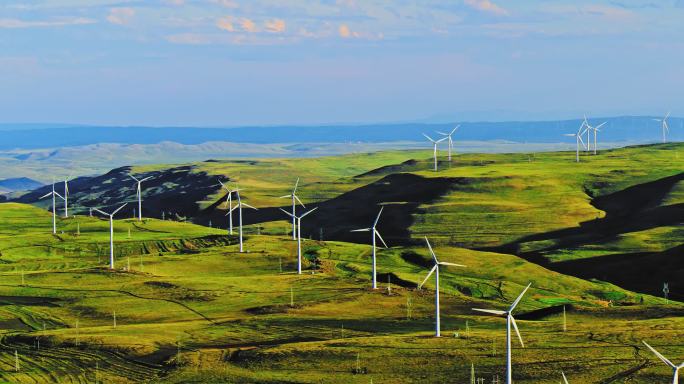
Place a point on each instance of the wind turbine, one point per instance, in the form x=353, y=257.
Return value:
x=578, y=138
x=596, y=130
x=675, y=368
x=139, y=194
x=54, y=206
x=239, y=208
x=299, y=236
x=435, y=143
x=66, y=196
x=510, y=320
x=449, y=139
x=229, y=205
x=666, y=127
x=111, y=233
x=435, y=269
x=295, y=199
x=375, y=233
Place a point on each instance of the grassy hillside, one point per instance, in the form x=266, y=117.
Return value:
x=191, y=308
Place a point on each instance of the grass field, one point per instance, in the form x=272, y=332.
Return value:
x=184, y=306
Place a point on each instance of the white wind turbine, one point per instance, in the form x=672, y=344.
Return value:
x=111, y=233
x=675, y=368
x=578, y=138
x=299, y=236
x=295, y=200
x=374, y=233
x=435, y=270
x=66, y=196
x=54, y=206
x=435, y=143
x=596, y=130
x=449, y=139
x=665, y=126
x=510, y=320
x=229, y=205
x=239, y=206
x=139, y=193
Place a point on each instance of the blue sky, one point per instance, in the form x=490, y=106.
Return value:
x=239, y=62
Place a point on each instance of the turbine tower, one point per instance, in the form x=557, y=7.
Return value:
x=449, y=139
x=596, y=130
x=229, y=205
x=299, y=236
x=295, y=200
x=66, y=196
x=510, y=320
x=374, y=233
x=239, y=206
x=665, y=126
x=54, y=206
x=675, y=368
x=139, y=194
x=111, y=233
x=435, y=270
x=435, y=143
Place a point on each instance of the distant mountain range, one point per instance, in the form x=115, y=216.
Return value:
x=19, y=184
x=629, y=129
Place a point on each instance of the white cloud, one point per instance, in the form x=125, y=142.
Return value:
x=275, y=26
x=248, y=25
x=226, y=23
x=486, y=6
x=227, y=3
x=120, y=16
x=17, y=23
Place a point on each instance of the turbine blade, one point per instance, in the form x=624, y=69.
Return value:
x=517, y=332
x=515, y=303
x=232, y=209
x=454, y=130
x=60, y=196
x=284, y=197
x=490, y=311
x=300, y=202
x=428, y=276
x=381, y=239
x=600, y=125
x=428, y=137
x=147, y=178
x=565, y=379
x=120, y=208
x=451, y=264
x=361, y=230
x=104, y=213
x=442, y=133
x=133, y=177
x=295, y=187
x=431, y=251
x=306, y=213
x=286, y=212
x=661, y=357
x=249, y=206
x=378, y=218
x=44, y=196
x=667, y=116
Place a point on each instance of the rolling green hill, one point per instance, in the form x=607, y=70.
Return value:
x=190, y=308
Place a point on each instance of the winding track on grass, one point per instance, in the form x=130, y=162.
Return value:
x=198, y=313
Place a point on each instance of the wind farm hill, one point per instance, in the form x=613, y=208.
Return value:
x=579, y=218
x=184, y=306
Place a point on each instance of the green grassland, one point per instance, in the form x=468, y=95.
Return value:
x=190, y=308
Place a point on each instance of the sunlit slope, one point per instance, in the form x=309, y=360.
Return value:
x=192, y=308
